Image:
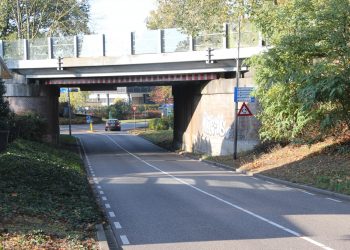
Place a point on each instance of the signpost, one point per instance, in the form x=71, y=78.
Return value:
x=134, y=110
x=89, y=120
x=68, y=90
x=237, y=85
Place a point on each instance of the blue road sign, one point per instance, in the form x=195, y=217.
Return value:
x=243, y=94
x=88, y=119
x=65, y=90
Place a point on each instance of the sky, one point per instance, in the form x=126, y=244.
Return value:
x=112, y=16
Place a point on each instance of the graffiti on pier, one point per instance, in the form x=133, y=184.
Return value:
x=215, y=126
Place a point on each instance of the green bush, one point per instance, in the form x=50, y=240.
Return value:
x=161, y=123
x=99, y=112
x=30, y=126
x=153, y=114
x=4, y=107
x=120, y=109
x=147, y=107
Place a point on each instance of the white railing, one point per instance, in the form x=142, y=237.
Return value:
x=134, y=43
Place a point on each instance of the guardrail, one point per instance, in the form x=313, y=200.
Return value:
x=134, y=43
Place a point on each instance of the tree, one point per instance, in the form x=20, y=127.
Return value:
x=192, y=16
x=77, y=99
x=119, y=109
x=37, y=18
x=161, y=94
x=304, y=79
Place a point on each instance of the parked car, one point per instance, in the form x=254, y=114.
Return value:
x=112, y=124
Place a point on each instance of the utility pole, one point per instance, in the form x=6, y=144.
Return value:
x=237, y=85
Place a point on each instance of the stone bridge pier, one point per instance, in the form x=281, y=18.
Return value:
x=204, y=118
x=32, y=96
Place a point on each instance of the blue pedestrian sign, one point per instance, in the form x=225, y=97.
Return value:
x=244, y=94
x=88, y=119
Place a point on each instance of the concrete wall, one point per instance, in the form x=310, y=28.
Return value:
x=204, y=117
x=34, y=97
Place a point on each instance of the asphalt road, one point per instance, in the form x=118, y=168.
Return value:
x=160, y=200
x=82, y=128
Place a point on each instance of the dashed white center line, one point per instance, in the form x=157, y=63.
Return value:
x=104, y=198
x=107, y=206
x=111, y=214
x=117, y=225
x=333, y=200
x=270, y=182
x=255, y=178
x=124, y=239
x=101, y=192
x=99, y=187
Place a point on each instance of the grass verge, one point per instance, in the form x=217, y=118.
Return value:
x=45, y=198
x=324, y=165
x=162, y=138
x=136, y=120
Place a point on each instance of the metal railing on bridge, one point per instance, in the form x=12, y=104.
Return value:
x=134, y=43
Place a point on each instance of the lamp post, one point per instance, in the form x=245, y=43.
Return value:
x=237, y=85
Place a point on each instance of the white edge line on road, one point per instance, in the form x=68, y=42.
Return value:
x=99, y=187
x=117, y=225
x=107, y=205
x=226, y=202
x=111, y=214
x=101, y=192
x=124, y=239
x=104, y=198
x=306, y=192
x=333, y=200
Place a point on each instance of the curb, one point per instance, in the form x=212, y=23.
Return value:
x=101, y=237
x=275, y=180
x=304, y=187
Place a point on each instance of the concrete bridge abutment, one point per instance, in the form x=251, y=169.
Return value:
x=25, y=96
x=204, y=118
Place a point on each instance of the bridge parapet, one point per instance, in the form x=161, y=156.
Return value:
x=115, y=45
